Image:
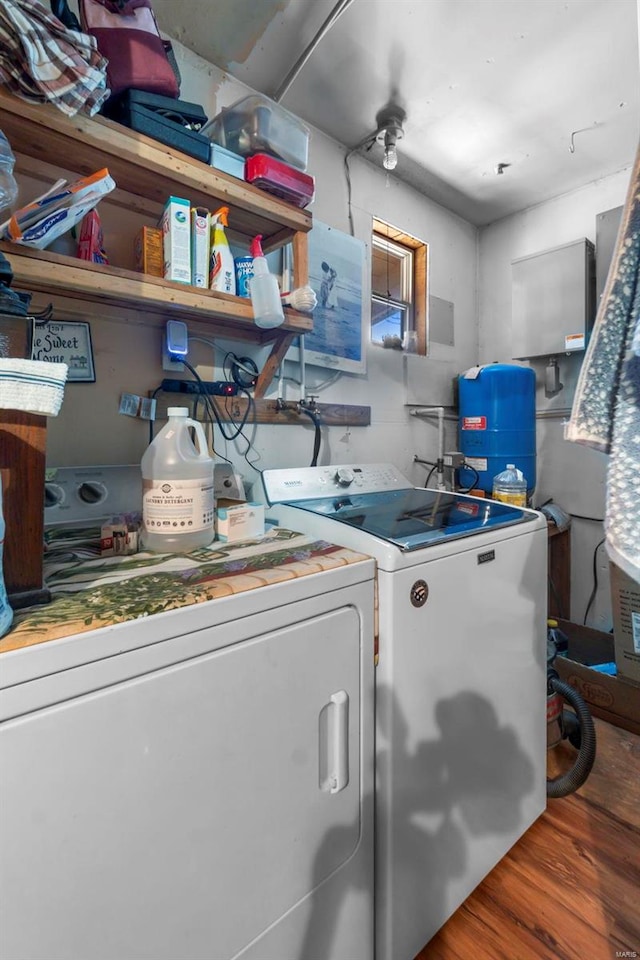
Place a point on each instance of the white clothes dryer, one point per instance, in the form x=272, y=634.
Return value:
x=194, y=783
x=460, y=682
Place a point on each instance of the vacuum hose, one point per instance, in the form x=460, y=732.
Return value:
x=570, y=781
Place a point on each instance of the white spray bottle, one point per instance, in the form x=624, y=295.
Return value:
x=263, y=287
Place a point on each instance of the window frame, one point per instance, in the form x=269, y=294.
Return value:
x=389, y=235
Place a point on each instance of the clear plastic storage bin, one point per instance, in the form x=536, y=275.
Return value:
x=256, y=124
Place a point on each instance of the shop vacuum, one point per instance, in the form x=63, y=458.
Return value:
x=574, y=724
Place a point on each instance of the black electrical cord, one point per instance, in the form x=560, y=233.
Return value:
x=242, y=370
x=369, y=141
x=211, y=407
x=595, y=581
x=208, y=424
x=430, y=474
x=467, y=466
x=317, y=435
x=151, y=422
x=250, y=446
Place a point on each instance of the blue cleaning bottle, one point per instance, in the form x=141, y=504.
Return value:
x=6, y=613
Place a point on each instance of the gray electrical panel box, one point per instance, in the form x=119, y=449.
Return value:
x=607, y=226
x=553, y=300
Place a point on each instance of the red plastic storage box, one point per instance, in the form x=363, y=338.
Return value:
x=279, y=178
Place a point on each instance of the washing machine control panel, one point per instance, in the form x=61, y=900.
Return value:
x=344, y=476
x=310, y=483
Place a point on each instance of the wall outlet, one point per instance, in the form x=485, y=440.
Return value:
x=167, y=363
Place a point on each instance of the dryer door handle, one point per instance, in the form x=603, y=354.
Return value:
x=334, y=743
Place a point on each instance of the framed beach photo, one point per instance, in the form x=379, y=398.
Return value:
x=336, y=274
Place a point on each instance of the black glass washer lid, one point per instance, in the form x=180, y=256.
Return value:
x=414, y=518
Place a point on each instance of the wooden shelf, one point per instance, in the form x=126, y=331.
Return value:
x=146, y=173
x=234, y=409
x=145, y=167
x=52, y=273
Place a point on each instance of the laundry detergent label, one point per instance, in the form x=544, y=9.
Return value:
x=474, y=423
x=635, y=626
x=177, y=506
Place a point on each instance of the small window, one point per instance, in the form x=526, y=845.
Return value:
x=398, y=288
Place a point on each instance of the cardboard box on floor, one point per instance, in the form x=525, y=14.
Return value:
x=625, y=604
x=614, y=699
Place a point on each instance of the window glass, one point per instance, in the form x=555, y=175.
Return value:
x=391, y=270
x=388, y=319
x=398, y=289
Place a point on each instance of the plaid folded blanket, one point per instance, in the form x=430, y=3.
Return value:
x=43, y=62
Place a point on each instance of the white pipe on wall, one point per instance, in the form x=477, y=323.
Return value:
x=428, y=412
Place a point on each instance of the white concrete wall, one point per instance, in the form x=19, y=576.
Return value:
x=474, y=274
x=574, y=476
x=128, y=347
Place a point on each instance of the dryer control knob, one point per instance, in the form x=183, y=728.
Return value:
x=344, y=476
x=91, y=492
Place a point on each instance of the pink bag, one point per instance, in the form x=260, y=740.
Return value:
x=127, y=35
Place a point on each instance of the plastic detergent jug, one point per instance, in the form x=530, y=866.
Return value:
x=510, y=486
x=264, y=291
x=177, y=488
x=6, y=613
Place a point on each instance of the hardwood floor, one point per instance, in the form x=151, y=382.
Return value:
x=570, y=888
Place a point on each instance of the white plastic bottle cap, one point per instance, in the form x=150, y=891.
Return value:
x=177, y=411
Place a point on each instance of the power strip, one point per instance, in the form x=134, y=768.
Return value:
x=214, y=388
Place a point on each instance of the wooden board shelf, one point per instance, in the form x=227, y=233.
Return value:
x=52, y=273
x=145, y=167
x=233, y=409
x=146, y=173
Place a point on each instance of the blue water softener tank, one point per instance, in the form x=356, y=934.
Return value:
x=497, y=423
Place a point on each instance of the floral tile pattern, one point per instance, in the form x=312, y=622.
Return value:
x=92, y=593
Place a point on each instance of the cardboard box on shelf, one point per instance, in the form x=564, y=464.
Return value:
x=148, y=250
x=625, y=604
x=614, y=699
x=237, y=520
x=200, y=246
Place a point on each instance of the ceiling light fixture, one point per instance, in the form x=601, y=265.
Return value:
x=389, y=121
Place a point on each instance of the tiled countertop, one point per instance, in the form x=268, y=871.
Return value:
x=100, y=592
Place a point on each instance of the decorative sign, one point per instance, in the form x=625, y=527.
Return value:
x=59, y=342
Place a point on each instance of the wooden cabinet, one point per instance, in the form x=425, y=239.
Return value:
x=146, y=173
x=559, y=572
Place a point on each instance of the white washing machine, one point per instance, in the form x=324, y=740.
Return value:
x=194, y=784
x=460, y=684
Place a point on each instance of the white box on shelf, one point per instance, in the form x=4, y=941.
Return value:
x=200, y=247
x=176, y=240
